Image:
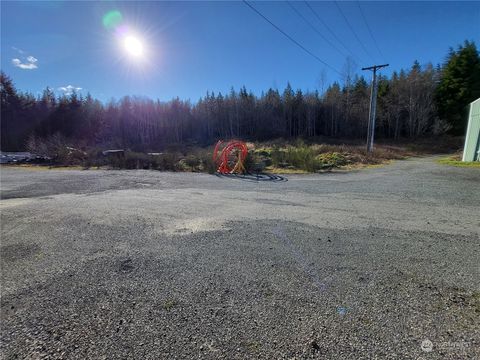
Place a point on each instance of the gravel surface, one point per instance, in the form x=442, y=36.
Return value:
x=379, y=263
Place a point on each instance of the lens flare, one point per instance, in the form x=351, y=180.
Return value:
x=112, y=19
x=130, y=43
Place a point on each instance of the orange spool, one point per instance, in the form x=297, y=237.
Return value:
x=231, y=159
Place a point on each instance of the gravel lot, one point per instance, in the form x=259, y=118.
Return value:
x=368, y=264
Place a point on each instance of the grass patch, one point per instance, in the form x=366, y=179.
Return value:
x=456, y=161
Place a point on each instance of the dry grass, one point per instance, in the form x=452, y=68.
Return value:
x=283, y=171
x=299, y=157
x=42, y=167
x=277, y=156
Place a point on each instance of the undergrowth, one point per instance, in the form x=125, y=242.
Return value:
x=279, y=155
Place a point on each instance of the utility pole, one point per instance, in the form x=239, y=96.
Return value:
x=373, y=106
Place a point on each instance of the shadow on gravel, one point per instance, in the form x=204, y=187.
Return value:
x=254, y=177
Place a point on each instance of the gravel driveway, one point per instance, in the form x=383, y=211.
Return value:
x=379, y=263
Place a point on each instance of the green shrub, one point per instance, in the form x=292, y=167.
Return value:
x=302, y=157
x=193, y=162
x=278, y=157
x=181, y=165
x=331, y=160
x=293, y=157
x=267, y=153
x=167, y=162
x=206, y=161
x=308, y=158
x=264, y=156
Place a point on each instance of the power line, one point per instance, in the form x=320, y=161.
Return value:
x=291, y=39
x=369, y=30
x=329, y=29
x=352, y=30
x=315, y=29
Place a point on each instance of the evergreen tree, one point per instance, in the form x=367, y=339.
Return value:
x=459, y=85
x=405, y=108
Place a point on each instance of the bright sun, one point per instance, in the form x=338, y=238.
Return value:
x=133, y=46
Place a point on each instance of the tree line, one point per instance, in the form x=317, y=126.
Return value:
x=420, y=101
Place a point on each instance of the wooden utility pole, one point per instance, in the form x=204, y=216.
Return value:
x=373, y=106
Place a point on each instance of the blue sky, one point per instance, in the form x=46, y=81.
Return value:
x=192, y=47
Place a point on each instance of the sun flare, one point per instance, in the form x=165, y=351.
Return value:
x=133, y=46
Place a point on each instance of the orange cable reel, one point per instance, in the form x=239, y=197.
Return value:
x=230, y=159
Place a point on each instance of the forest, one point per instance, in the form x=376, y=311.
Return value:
x=422, y=101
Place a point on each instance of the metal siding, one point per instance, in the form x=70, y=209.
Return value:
x=472, y=138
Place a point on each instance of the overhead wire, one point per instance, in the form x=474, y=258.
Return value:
x=352, y=30
x=315, y=13
x=290, y=38
x=370, y=30
x=315, y=29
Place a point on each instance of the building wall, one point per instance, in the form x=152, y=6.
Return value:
x=472, y=139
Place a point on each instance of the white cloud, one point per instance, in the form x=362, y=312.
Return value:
x=69, y=89
x=30, y=64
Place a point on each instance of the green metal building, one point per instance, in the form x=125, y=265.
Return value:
x=471, y=151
